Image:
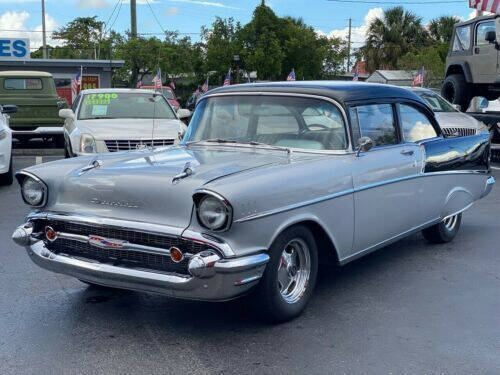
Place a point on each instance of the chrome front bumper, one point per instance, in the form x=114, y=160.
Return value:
x=216, y=279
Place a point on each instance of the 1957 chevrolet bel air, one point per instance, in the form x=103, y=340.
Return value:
x=270, y=180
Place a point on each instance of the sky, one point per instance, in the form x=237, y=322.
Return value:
x=187, y=16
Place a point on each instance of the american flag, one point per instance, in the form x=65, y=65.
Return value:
x=76, y=84
x=204, y=88
x=486, y=5
x=227, y=80
x=172, y=85
x=197, y=92
x=157, y=79
x=419, y=78
x=291, y=76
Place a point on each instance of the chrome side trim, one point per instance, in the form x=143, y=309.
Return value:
x=381, y=244
x=294, y=206
x=346, y=192
x=37, y=179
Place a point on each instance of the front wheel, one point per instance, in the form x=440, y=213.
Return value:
x=7, y=178
x=456, y=91
x=290, y=276
x=444, y=231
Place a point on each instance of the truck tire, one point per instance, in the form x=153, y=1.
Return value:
x=289, y=278
x=455, y=90
x=7, y=178
x=445, y=231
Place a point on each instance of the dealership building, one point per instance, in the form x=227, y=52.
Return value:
x=96, y=73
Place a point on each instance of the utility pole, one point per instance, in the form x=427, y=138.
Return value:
x=133, y=18
x=133, y=35
x=44, y=31
x=349, y=47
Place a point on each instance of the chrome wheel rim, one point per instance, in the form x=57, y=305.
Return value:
x=450, y=222
x=294, y=268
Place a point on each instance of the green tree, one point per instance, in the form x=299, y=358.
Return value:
x=392, y=36
x=81, y=37
x=441, y=28
x=430, y=58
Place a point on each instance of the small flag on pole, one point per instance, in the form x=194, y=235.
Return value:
x=492, y=6
x=157, y=79
x=76, y=84
x=172, y=85
x=419, y=78
x=227, y=80
x=291, y=76
x=204, y=88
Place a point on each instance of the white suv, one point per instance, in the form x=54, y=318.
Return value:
x=6, y=145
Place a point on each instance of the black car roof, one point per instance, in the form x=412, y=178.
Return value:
x=342, y=91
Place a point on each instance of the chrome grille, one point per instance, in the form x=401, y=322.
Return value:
x=134, y=144
x=119, y=256
x=461, y=132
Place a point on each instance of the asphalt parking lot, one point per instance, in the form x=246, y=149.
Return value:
x=411, y=308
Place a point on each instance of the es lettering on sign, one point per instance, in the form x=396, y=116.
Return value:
x=14, y=49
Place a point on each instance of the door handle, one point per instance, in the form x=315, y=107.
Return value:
x=407, y=152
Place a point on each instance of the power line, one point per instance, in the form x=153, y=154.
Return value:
x=154, y=15
x=111, y=15
x=117, y=14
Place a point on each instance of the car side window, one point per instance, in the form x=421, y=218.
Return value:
x=482, y=29
x=377, y=122
x=415, y=125
x=461, y=41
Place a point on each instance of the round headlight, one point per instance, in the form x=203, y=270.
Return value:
x=33, y=191
x=213, y=213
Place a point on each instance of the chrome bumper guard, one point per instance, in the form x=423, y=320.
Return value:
x=211, y=278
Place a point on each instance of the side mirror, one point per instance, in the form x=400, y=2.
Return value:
x=183, y=113
x=457, y=107
x=490, y=36
x=67, y=113
x=9, y=108
x=364, y=144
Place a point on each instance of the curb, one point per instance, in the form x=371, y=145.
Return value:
x=37, y=152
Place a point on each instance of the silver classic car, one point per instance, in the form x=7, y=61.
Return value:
x=270, y=180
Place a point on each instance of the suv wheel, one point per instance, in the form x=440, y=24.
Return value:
x=455, y=91
x=7, y=178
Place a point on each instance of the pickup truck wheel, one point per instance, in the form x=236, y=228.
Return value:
x=444, y=231
x=7, y=178
x=290, y=276
x=455, y=91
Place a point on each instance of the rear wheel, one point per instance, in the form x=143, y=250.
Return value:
x=7, y=178
x=444, y=231
x=290, y=276
x=455, y=90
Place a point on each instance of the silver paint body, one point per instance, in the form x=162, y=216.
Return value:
x=362, y=203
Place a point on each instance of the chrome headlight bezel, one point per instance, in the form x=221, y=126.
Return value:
x=201, y=196
x=87, y=139
x=23, y=177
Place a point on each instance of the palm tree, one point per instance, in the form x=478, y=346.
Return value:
x=441, y=28
x=391, y=36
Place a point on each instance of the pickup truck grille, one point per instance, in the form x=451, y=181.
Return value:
x=461, y=132
x=124, y=145
x=121, y=256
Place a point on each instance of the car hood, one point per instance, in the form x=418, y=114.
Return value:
x=111, y=129
x=456, y=120
x=140, y=184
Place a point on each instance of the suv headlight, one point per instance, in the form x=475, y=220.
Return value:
x=87, y=144
x=214, y=212
x=33, y=191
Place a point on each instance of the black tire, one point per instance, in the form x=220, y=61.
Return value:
x=267, y=298
x=444, y=231
x=7, y=178
x=456, y=91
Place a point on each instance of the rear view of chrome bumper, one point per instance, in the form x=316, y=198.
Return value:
x=212, y=278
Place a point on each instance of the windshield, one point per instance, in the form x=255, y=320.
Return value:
x=168, y=94
x=283, y=121
x=436, y=102
x=124, y=105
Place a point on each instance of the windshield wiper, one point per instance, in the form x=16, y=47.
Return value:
x=250, y=143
